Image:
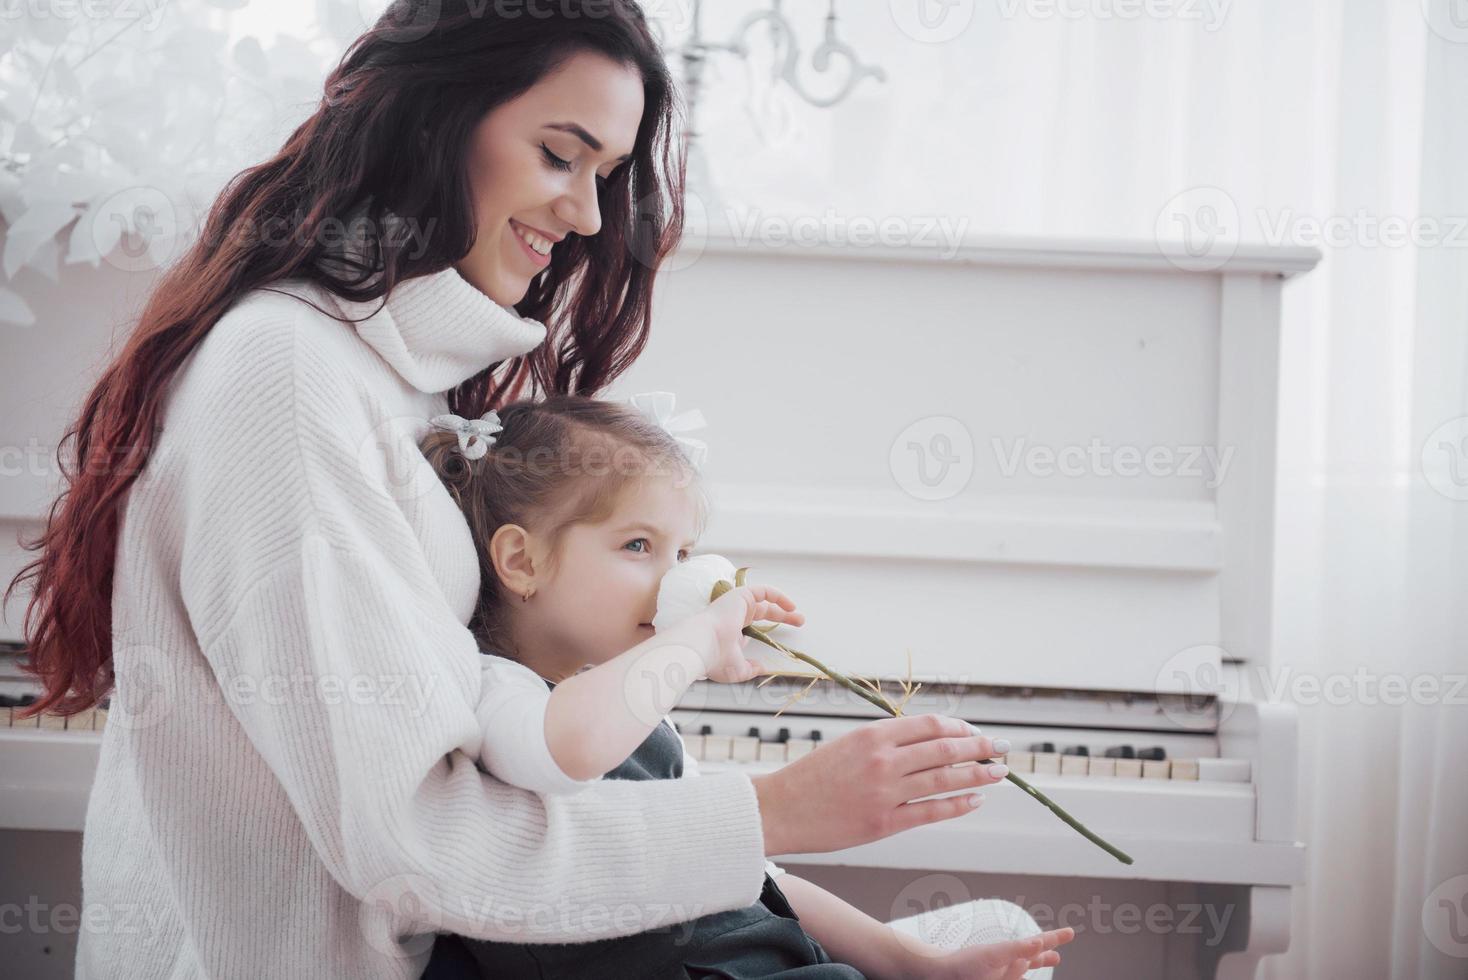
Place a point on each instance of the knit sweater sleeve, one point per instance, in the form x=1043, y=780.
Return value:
x=375, y=753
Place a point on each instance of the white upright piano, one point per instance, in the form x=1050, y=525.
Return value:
x=1045, y=471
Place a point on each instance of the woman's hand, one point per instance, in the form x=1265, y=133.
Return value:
x=858, y=788
x=1007, y=960
x=729, y=614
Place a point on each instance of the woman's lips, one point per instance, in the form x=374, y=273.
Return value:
x=541, y=261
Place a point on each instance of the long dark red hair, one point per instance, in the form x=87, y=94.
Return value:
x=392, y=134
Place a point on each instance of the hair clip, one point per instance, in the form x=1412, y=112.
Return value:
x=475, y=435
x=657, y=406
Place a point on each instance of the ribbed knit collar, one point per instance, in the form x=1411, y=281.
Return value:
x=438, y=331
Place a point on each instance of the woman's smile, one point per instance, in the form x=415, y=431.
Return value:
x=531, y=242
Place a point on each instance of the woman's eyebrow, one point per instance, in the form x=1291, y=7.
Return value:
x=585, y=137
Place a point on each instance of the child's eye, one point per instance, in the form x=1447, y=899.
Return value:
x=635, y=541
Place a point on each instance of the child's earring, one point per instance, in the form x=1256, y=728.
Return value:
x=527, y=595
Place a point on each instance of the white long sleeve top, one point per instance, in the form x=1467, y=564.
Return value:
x=285, y=786
x=512, y=714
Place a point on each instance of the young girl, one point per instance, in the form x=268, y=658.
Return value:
x=578, y=507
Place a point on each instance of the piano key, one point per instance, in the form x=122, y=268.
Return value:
x=771, y=752
x=1074, y=765
x=1121, y=752
x=82, y=721
x=1129, y=768
x=797, y=747
x=743, y=748
x=5, y=713
x=99, y=720
x=694, y=745
x=1185, y=769
x=1078, y=750
x=1157, y=753
x=1042, y=747
x=1224, y=770
x=1020, y=761
x=1156, y=769
x=53, y=722
x=1103, y=768
x=716, y=748
x=1046, y=764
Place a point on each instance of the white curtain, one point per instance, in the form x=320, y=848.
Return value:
x=1311, y=117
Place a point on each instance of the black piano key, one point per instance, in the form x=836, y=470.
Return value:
x=705, y=729
x=783, y=735
x=1121, y=752
x=815, y=736
x=753, y=731
x=1077, y=750
x=1155, y=754
x=1042, y=747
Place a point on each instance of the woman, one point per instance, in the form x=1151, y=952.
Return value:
x=253, y=557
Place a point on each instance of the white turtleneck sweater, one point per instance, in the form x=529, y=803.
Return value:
x=286, y=785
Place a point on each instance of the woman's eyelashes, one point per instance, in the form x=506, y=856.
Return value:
x=682, y=553
x=564, y=165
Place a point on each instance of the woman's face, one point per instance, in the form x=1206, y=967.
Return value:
x=536, y=164
x=603, y=590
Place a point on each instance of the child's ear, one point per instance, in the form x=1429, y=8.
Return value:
x=510, y=553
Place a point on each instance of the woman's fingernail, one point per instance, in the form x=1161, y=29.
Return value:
x=975, y=800
x=1001, y=745
x=999, y=770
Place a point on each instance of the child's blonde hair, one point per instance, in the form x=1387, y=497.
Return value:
x=560, y=461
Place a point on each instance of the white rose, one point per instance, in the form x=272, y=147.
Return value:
x=686, y=588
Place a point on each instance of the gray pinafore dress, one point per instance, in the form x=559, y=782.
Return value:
x=764, y=940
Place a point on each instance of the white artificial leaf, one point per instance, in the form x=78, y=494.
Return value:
x=13, y=309
x=42, y=220
x=47, y=260
x=251, y=57
x=50, y=30
x=93, y=238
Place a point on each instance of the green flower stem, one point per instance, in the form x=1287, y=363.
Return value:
x=886, y=706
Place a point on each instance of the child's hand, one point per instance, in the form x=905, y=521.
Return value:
x=729, y=614
x=1006, y=960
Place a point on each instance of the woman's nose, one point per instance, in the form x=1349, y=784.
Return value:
x=580, y=207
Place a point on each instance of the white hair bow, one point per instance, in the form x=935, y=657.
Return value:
x=475, y=435
x=658, y=407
